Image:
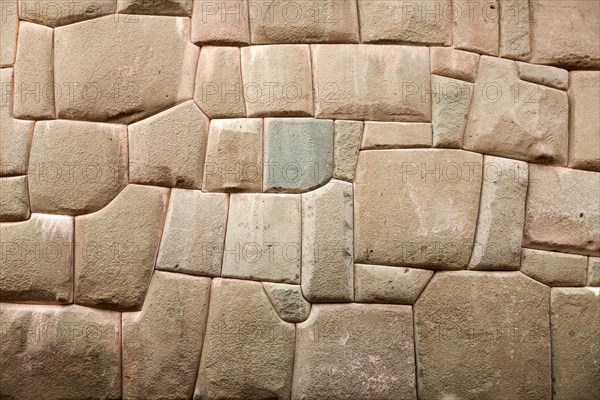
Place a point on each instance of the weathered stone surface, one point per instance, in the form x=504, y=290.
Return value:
x=436, y=234
x=452, y=63
x=548, y=76
x=298, y=154
x=575, y=337
x=555, y=269
x=277, y=80
x=76, y=167
x=288, y=301
x=194, y=233
x=117, y=248
x=168, y=148
x=593, y=271
x=395, y=285
x=162, y=343
x=156, y=7
x=234, y=156
x=354, y=81
x=37, y=260
x=476, y=26
x=339, y=354
x=483, y=335
x=14, y=199
x=263, y=238
x=221, y=22
x=109, y=79
x=64, y=12
x=516, y=119
x=584, y=126
x=219, y=91
x=563, y=212
x=8, y=30
x=395, y=135
x=34, y=80
x=279, y=21
x=450, y=105
x=501, y=215
x=347, y=137
x=514, y=29
x=327, y=243
x=248, y=351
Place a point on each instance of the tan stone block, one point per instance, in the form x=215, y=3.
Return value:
x=476, y=26
x=14, y=199
x=8, y=29
x=555, y=269
x=548, y=76
x=288, y=301
x=450, y=106
x=64, y=12
x=395, y=135
x=181, y=8
x=394, y=285
x=452, y=63
x=223, y=22
x=584, y=126
x=347, y=137
x=593, y=278
x=514, y=29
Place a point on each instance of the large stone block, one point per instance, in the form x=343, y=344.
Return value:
x=14, y=199
x=514, y=21
x=225, y=22
x=395, y=135
x=347, y=137
x=288, y=301
x=450, y=106
x=476, y=26
x=555, y=269
x=557, y=78
x=584, y=125
x=8, y=30
x=393, y=285
x=57, y=13
x=452, y=63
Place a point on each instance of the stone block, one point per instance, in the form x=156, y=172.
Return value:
x=450, y=106
x=65, y=12
x=181, y=8
x=8, y=30
x=347, y=137
x=452, y=63
x=593, y=271
x=557, y=78
x=476, y=26
x=392, y=285
x=396, y=135
x=288, y=301
x=584, y=124
x=14, y=199
x=515, y=16
x=555, y=269
x=221, y=22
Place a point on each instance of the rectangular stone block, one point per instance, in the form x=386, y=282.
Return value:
x=450, y=107
x=14, y=199
x=476, y=26
x=396, y=135
x=452, y=63
x=584, y=123
x=220, y=22
x=392, y=285
x=347, y=137
x=65, y=12
x=514, y=29
x=557, y=78
x=593, y=278
x=555, y=269
x=8, y=32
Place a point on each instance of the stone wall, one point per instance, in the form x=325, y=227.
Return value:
x=346, y=199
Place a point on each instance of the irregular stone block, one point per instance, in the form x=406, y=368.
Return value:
x=347, y=137
x=556, y=218
x=219, y=91
x=452, y=63
x=37, y=260
x=593, y=271
x=514, y=29
x=288, y=301
x=93, y=83
x=117, y=249
x=394, y=285
x=450, y=105
x=14, y=199
x=483, y=335
x=516, y=119
x=476, y=26
x=393, y=226
x=162, y=343
x=354, y=81
x=65, y=12
x=76, y=167
x=259, y=346
x=396, y=135
x=501, y=215
x=168, y=149
x=8, y=30
x=548, y=76
x=340, y=356
x=555, y=269
x=327, y=243
x=43, y=348
x=220, y=22
x=152, y=7
x=575, y=338
x=584, y=126
x=277, y=80
x=234, y=156
x=298, y=154
x=194, y=233
x=263, y=238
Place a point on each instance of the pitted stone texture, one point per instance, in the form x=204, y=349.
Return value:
x=405, y=22
x=118, y=245
x=347, y=137
x=450, y=105
x=593, y=278
x=483, y=335
x=575, y=317
x=123, y=81
x=162, y=343
x=14, y=199
x=340, y=355
x=565, y=33
x=248, y=350
x=234, y=156
x=584, y=126
x=219, y=91
x=514, y=29
x=436, y=234
x=309, y=21
x=277, y=80
x=563, y=212
x=288, y=301
x=156, y=7
x=452, y=63
x=327, y=243
x=548, y=76
x=194, y=233
x=221, y=22
x=516, y=119
x=34, y=78
x=65, y=12
x=298, y=154
x=57, y=353
x=76, y=167
x=168, y=148
x=37, y=260
x=263, y=238
x=355, y=81
x=395, y=135
x=476, y=26
x=394, y=285
x=555, y=269
x=501, y=215
x=8, y=30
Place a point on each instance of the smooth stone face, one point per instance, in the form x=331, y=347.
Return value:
x=483, y=335
x=558, y=220
x=339, y=354
x=248, y=350
x=59, y=13
x=156, y=7
x=123, y=81
x=452, y=63
x=14, y=201
x=37, y=260
x=43, y=348
x=548, y=76
x=220, y=22
x=162, y=343
x=450, y=106
x=393, y=285
x=593, y=271
x=288, y=301
x=168, y=148
x=347, y=137
x=514, y=29
x=584, y=126
x=555, y=269
x=8, y=32
x=393, y=226
x=476, y=26
x=76, y=167
x=117, y=249
x=395, y=135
